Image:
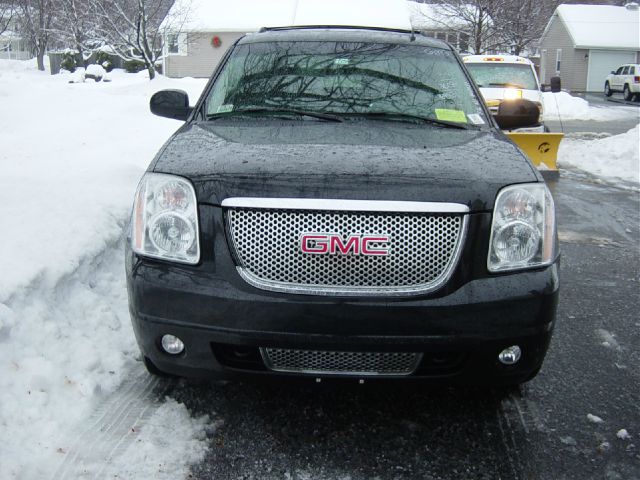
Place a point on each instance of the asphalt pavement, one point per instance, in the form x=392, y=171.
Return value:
x=541, y=431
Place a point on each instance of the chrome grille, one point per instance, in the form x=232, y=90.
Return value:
x=340, y=363
x=423, y=249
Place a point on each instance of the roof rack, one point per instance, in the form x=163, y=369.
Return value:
x=341, y=27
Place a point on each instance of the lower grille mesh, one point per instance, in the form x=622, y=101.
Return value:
x=340, y=363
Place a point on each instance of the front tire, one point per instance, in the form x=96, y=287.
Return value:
x=607, y=90
x=626, y=93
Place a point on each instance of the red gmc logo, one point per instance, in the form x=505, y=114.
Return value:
x=333, y=243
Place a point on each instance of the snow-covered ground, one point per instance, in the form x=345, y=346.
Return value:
x=564, y=106
x=613, y=158
x=70, y=159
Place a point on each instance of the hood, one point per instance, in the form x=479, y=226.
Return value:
x=366, y=160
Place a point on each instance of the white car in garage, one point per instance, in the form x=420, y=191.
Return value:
x=625, y=79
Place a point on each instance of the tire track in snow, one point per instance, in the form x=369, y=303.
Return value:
x=85, y=304
x=115, y=422
x=113, y=427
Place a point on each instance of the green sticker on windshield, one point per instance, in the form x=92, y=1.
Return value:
x=225, y=108
x=451, y=115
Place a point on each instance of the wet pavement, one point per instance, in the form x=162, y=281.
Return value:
x=540, y=431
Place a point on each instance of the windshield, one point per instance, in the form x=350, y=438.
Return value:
x=500, y=75
x=343, y=78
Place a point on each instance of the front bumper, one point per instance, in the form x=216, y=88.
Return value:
x=223, y=322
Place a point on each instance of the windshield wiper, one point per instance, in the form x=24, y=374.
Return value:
x=276, y=110
x=506, y=84
x=414, y=118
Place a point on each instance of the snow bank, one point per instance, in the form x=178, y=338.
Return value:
x=71, y=157
x=567, y=107
x=613, y=158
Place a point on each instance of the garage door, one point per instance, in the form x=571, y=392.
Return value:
x=601, y=63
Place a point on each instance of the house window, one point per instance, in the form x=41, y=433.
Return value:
x=558, y=60
x=460, y=41
x=176, y=44
x=463, y=45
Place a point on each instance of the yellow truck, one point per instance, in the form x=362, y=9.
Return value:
x=504, y=78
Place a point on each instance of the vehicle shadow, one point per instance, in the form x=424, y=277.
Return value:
x=336, y=430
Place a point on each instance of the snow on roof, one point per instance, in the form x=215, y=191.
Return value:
x=429, y=16
x=601, y=26
x=251, y=15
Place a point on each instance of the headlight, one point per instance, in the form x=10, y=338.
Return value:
x=512, y=94
x=164, y=222
x=523, y=232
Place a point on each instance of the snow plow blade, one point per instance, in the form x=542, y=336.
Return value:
x=541, y=148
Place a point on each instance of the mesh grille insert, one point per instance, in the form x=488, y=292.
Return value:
x=422, y=249
x=340, y=363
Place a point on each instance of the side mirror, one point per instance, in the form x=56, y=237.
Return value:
x=556, y=84
x=517, y=113
x=612, y=72
x=172, y=104
x=543, y=88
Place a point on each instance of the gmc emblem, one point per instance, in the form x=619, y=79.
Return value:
x=333, y=243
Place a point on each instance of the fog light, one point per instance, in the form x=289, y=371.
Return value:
x=511, y=355
x=172, y=345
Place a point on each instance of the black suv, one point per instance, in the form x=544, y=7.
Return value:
x=340, y=203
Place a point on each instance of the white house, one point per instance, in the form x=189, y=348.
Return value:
x=583, y=43
x=197, y=33
x=13, y=47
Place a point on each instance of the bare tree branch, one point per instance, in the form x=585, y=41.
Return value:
x=36, y=21
x=132, y=28
x=76, y=25
x=471, y=17
x=7, y=13
x=520, y=23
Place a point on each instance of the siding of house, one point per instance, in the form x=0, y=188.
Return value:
x=580, y=66
x=573, y=66
x=202, y=57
